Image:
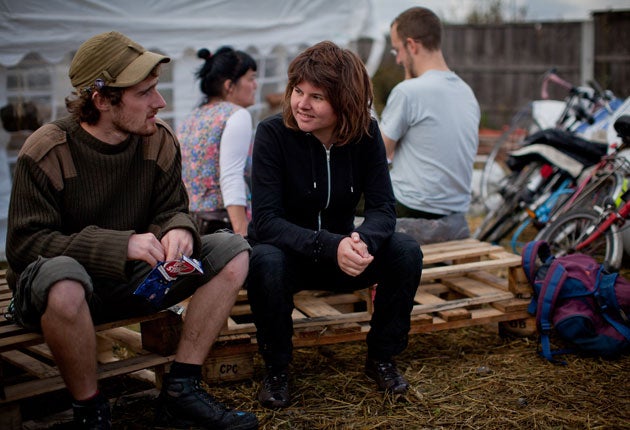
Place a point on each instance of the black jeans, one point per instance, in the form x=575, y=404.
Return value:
x=274, y=276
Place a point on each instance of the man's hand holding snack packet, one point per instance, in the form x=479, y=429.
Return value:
x=159, y=281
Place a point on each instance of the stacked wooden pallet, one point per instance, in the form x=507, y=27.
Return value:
x=27, y=368
x=463, y=283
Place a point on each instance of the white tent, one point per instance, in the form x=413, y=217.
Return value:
x=45, y=33
x=38, y=38
x=54, y=28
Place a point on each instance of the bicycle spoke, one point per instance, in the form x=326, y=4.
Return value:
x=564, y=234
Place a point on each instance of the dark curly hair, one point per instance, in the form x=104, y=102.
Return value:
x=82, y=108
x=225, y=64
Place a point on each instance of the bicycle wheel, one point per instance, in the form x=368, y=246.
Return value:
x=508, y=217
x=508, y=212
x=605, y=185
x=554, y=192
x=495, y=169
x=566, y=232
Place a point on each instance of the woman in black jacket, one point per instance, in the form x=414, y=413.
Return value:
x=311, y=165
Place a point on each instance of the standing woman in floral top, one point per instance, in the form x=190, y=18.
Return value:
x=216, y=141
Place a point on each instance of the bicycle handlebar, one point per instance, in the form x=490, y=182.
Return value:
x=598, y=92
x=593, y=93
x=551, y=76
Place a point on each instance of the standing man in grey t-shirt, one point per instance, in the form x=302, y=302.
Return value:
x=430, y=127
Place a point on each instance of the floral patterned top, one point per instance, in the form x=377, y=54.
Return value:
x=201, y=135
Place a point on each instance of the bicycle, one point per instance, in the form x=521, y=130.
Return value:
x=597, y=231
x=597, y=184
x=594, y=186
x=552, y=176
x=584, y=109
x=544, y=170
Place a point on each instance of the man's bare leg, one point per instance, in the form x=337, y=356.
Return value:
x=69, y=332
x=208, y=310
x=183, y=402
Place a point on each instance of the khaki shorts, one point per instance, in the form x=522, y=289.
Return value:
x=112, y=299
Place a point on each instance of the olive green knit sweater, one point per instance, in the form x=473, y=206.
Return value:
x=75, y=195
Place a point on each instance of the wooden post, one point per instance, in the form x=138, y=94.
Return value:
x=162, y=335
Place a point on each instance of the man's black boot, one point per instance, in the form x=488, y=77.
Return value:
x=183, y=403
x=92, y=415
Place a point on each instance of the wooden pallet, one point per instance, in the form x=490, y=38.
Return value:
x=463, y=283
x=27, y=367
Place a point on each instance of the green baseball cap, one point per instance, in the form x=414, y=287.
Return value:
x=115, y=59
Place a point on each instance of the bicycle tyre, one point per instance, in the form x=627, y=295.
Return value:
x=551, y=194
x=495, y=218
x=501, y=224
x=605, y=185
x=511, y=139
x=506, y=216
x=568, y=230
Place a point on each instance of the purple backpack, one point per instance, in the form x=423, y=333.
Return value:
x=575, y=296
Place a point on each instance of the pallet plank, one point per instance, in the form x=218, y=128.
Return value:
x=131, y=339
x=469, y=287
x=314, y=307
x=434, y=273
x=490, y=279
x=31, y=365
x=447, y=255
x=41, y=386
x=427, y=299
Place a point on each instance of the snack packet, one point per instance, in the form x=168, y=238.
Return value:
x=160, y=279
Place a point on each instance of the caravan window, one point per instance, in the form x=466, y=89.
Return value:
x=28, y=100
x=47, y=85
x=31, y=80
x=272, y=79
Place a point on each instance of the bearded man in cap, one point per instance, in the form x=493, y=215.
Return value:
x=97, y=202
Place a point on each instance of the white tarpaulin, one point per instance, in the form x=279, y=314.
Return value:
x=54, y=28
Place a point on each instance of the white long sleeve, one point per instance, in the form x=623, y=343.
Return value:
x=235, y=142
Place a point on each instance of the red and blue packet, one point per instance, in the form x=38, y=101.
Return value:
x=159, y=281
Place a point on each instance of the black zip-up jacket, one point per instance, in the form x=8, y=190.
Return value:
x=304, y=197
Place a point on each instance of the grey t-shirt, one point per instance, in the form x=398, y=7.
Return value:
x=435, y=120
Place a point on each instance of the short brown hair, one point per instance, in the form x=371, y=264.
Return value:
x=341, y=74
x=82, y=108
x=421, y=25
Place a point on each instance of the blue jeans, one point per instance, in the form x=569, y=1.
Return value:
x=274, y=276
